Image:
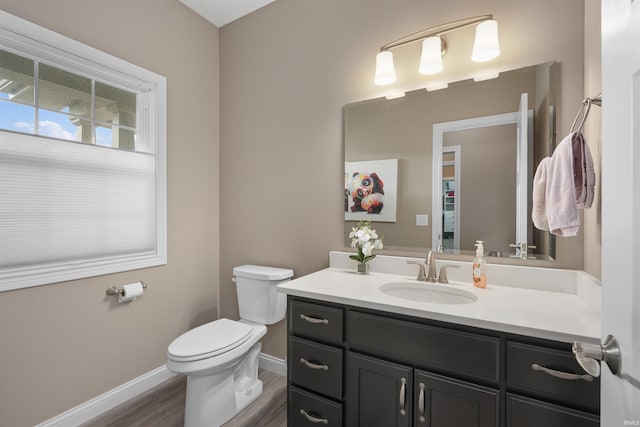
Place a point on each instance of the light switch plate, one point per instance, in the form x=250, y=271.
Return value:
x=422, y=220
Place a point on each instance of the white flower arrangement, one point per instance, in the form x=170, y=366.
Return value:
x=365, y=239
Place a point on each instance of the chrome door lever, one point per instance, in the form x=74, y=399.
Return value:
x=589, y=356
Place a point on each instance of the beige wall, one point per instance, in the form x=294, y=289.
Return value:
x=63, y=344
x=289, y=68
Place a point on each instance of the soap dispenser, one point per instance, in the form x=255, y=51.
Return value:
x=479, y=266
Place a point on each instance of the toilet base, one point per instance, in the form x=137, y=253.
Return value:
x=214, y=399
x=244, y=398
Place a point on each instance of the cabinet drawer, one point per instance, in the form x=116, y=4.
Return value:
x=315, y=321
x=525, y=412
x=306, y=409
x=523, y=377
x=316, y=367
x=459, y=353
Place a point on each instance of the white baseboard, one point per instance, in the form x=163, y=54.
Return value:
x=117, y=396
x=109, y=400
x=272, y=364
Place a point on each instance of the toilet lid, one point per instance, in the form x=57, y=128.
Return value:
x=209, y=340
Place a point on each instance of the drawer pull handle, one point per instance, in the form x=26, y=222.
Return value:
x=421, y=403
x=313, y=419
x=314, y=319
x=403, y=396
x=313, y=365
x=562, y=375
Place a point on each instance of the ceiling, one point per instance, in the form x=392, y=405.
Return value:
x=221, y=12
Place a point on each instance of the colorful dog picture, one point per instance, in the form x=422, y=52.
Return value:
x=370, y=190
x=367, y=193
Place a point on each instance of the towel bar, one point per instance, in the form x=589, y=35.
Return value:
x=584, y=111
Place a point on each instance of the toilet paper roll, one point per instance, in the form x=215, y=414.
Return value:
x=131, y=292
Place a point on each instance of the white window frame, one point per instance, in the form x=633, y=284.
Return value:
x=32, y=41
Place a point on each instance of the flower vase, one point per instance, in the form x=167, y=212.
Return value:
x=363, y=268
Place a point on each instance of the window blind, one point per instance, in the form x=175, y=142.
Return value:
x=66, y=203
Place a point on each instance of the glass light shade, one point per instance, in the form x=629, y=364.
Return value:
x=385, y=72
x=431, y=58
x=486, y=45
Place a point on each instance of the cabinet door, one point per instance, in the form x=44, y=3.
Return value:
x=445, y=402
x=379, y=393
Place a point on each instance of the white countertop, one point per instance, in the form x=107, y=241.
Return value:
x=554, y=315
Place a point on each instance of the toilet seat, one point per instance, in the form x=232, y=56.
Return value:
x=208, y=340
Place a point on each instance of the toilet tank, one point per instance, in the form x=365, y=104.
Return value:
x=258, y=299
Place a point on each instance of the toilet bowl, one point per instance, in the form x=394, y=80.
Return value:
x=220, y=358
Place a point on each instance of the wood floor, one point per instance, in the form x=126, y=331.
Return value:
x=163, y=406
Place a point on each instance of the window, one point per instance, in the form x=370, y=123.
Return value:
x=82, y=160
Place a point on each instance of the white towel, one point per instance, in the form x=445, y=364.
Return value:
x=539, y=210
x=560, y=194
x=563, y=183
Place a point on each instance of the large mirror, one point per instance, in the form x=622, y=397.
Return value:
x=445, y=168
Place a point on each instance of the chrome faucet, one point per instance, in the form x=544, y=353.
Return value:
x=422, y=274
x=522, y=250
x=431, y=260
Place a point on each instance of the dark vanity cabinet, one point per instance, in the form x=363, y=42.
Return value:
x=382, y=393
x=425, y=394
x=349, y=366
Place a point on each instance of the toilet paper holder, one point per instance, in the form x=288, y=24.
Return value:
x=113, y=291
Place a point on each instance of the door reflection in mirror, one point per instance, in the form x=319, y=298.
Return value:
x=487, y=206
x=450, y=199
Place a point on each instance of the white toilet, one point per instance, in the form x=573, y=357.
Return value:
x=220, y=358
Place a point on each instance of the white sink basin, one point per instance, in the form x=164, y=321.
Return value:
x=428, y=292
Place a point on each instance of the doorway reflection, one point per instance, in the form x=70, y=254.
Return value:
x=450, y=208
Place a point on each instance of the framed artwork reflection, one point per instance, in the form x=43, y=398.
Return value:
x=371, y=190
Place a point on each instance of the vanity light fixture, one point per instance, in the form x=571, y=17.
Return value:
x=485, y=47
